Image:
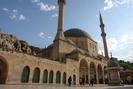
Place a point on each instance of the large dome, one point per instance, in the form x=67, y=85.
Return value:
x=75, y=32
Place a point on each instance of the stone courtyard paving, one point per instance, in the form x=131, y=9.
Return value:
x=64, y=87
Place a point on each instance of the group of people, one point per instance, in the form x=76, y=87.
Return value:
x=81, y=81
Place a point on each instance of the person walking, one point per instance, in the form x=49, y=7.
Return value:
x=83, y=81
x=80, y=81
x=69, y=81
x=91, y=81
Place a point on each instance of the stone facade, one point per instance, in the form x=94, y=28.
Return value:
x=16, y=62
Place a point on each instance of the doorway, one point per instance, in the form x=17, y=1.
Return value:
x=3, y=70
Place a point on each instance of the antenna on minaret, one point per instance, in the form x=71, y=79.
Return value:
x=102, y=53
x=111, y=54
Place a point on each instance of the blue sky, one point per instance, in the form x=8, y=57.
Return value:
x=35, y=21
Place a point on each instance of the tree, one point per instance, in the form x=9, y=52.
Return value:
x=125, y=65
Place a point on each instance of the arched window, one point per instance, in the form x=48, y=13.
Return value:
x=82, y=44
x=58, y=77
x=64, y=78
x=36, y=75
x=45, y=76
x=25, y=74
x=51, y=76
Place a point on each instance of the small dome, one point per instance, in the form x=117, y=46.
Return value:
x=75, y=32
x=100, y=56
x=113, y=63
x=50, y=45
x=69, y=41
x=76, y=51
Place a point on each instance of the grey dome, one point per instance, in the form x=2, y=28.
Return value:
x=50, y=45
x=113, y=63
x=75, y=32
x=76, y=51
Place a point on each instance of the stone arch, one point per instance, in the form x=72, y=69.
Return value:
x=25, y=74
x=36, y=75
x=45, y=76
x=83, y=69
x=58, y=76
x=51, y=74
x=64, y=78
x=93, y=71
x=4, y=66
x=100, y=73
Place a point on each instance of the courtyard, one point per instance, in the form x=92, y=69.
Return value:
x=52, y=86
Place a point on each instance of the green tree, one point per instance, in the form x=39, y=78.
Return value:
x=125, y=65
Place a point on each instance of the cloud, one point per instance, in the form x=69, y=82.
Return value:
x=41, y=34
x=54, y=15
x=121, y=45
x=129, y=57
x=15, y=11
x=35, y=0
x=43, y=6
x=49, y=37
x=111, y=3
x=5, y=9
x=124, y=37
x=21, y=17
x=112, y=44
x=116, y=44
x=14, y=14
x=46, y=7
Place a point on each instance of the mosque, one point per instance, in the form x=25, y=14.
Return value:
x=73, y=53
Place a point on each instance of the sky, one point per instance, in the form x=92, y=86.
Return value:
x=35, y=21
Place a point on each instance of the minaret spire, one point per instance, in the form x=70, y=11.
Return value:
x=101, y=20
x=103, y=34
x=60, y=34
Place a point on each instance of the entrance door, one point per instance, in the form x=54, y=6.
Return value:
x=83, y=69
x=3, y=71
x=74, y=79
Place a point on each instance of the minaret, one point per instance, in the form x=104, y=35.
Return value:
x=58, y=51
x=103, y=34
x=60, y=33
